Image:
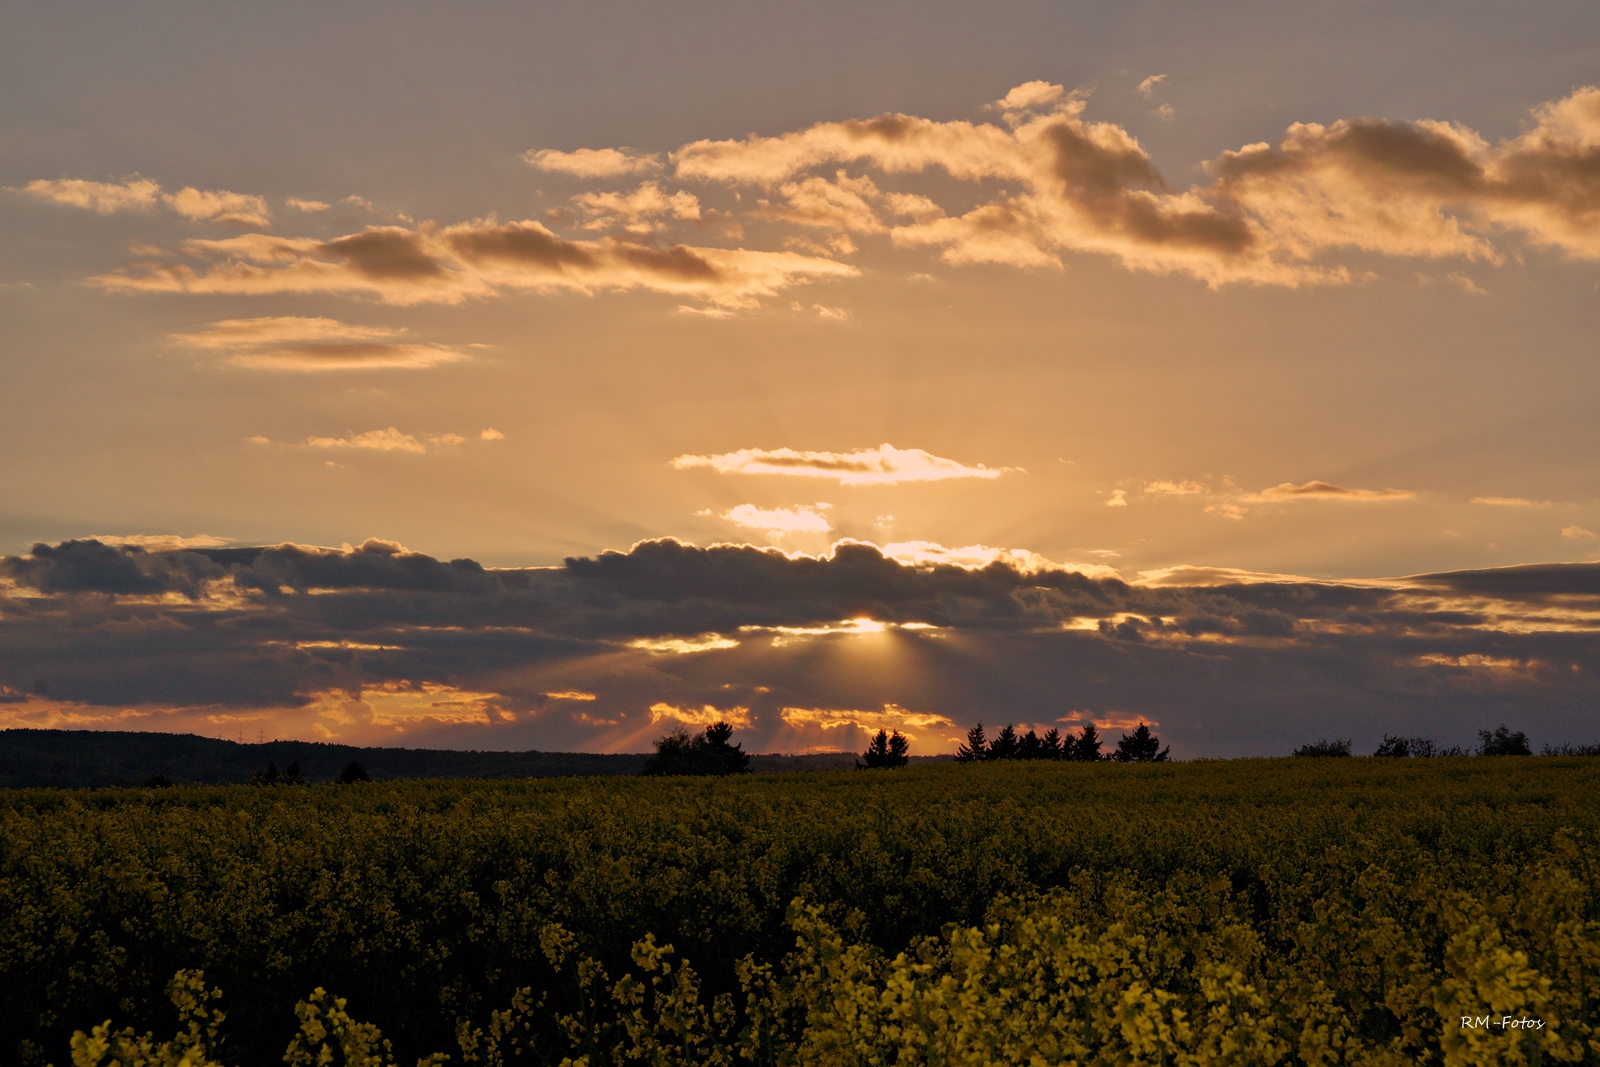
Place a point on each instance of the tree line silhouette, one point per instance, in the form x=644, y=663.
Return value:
x=1499, y=742
x=1140, y=746
x=713, y=753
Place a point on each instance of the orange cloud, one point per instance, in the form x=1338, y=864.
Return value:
x=475, y=259
x=737, y=717
x=288, y=342
x=591, y=162
x=1314, y=490
x=890, y=717
x=103, y=198
x=218, y=205
x=780, y=520
x=1423, y=188
x=385, y=440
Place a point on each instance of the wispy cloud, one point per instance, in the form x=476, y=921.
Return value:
x=477, y=259
x=1147, y=88
x=1168, y=487
x=1314, y=490
x=638, y=211
x=592, y=162
x=163, y=542
x=1510, y=502
x=801, y=519
x=315, y=344
x=884, y=465
x=218, y=205
x=388, y=439
x=105, y=198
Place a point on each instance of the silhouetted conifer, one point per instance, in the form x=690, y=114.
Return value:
x=1141, y=746
x=1085, y=747
x=1030, y=747
x=1006, y=744
x=1050, y=744
x=291, y=774
x=976, y=749
x=267, y=777
x=885, y=751
x=734, y=760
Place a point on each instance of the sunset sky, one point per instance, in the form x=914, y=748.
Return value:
x=546, y=376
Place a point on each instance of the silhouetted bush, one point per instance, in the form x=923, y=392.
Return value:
x=885, y=751
x=353, y=772
x=1324, y=748
x=1503, y=742
x=1416, y=748
x=1571, y=750
x=158, y=781
x=710, y=753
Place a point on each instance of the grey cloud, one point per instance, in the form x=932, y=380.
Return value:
x=92, y=567
x=1225, y=669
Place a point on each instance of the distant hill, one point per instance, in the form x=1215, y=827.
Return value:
x=74, y=759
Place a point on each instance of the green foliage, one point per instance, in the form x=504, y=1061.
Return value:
x=1321, y=911
x=886, y=752
x=1324, y=748
x=710, y=753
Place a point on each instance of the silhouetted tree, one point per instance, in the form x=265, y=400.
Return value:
x=353, y=772
x=717, y=736
x=267, y=777
x=1030, y=747
x=1050, y=744
x=1324, y=748
x=1085, y=747
x=709, y=753
x=1006, y=744
x=885, y=751
x=291, y=774
x=1503, y=742
x=976, y=749
x=1141, y=746
x=158, y=781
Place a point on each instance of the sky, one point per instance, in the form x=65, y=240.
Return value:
x=553, y=376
